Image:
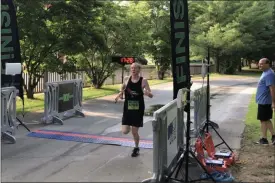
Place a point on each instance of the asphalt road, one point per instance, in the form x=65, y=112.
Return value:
x=35, y=159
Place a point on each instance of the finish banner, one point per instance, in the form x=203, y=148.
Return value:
x=180, y=44
x=10, y=46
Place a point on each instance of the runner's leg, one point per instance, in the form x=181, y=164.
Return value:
x=135, y=135
x=125, y=129
x=135, y=152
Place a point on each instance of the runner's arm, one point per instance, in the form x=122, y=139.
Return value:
x=122, y=88
x=146, y=88
x=272, y=92
x=125, y=82
x=270, y=82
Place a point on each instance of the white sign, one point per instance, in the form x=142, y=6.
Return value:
x=13, y=68
x=172, y=140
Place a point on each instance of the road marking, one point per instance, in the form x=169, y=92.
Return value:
x=101, y=121
x=113, y=115
x=100, y=167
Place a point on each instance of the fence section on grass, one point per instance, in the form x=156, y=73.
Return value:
x=62, y=99
x=148, y=72
x=8, y=113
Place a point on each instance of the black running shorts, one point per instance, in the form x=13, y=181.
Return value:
x=264, y=112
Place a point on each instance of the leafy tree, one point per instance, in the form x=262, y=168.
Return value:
x=159, y=46
x=123, y=35
x=46, y=29
x=247, y=33
x=37, y=41
x=91, y=32
x=97, y=58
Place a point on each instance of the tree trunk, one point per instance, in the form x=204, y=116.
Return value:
x=30, y=89
x=240, y=68
x=249, y=64
x=122, y=74
x=161, y=75
x=246, y=63
x=30, y=93
x=241, y=64
x=98, y=85
x=218, y=65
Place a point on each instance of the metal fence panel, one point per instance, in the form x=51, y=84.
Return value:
x=168, y=134
x=200, y=100
x=53, y=97
x=171, y=132
x=8, y=113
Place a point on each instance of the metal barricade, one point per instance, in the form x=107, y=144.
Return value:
x=168, y=137
x=169, y=132
x=8, y=113
x=200, y=99
x=62, y=99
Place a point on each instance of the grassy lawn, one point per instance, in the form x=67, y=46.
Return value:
x=88, y=93
x=211, y=76
x=250, y=72
x=91, y=93
x=246, y=72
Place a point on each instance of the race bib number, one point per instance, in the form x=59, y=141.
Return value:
x=133, y=105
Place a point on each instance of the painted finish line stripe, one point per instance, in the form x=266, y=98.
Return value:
x=90, y=136
x=89, y=140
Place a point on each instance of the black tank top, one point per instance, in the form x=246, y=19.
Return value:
x=134, y=99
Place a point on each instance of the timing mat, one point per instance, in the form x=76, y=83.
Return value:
x=89, y=138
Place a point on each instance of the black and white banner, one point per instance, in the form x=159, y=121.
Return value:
x=10, y=46
x=180, y=44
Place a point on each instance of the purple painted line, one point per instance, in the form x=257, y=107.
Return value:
x=72, y=134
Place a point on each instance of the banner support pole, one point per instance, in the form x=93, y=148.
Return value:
x=181, y=78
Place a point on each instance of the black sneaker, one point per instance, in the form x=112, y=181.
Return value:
x=135, y=152
x=263, y=141
x=273, y=139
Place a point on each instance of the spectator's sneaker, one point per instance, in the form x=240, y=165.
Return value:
x=135, y=152
x=273, y=139
x=263, y=141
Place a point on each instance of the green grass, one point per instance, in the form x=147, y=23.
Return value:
x=37, y=104
x=216, y=76
x=253, y=128
x=246, y=72
x=89, y=93
x=250, y=72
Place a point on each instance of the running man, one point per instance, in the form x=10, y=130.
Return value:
x=135, y=87
x=265, y=98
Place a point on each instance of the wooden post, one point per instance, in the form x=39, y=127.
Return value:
x=122, y=74
x=45, y=80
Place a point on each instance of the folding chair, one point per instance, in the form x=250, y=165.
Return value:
x=228, y=156
x=212, y=165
